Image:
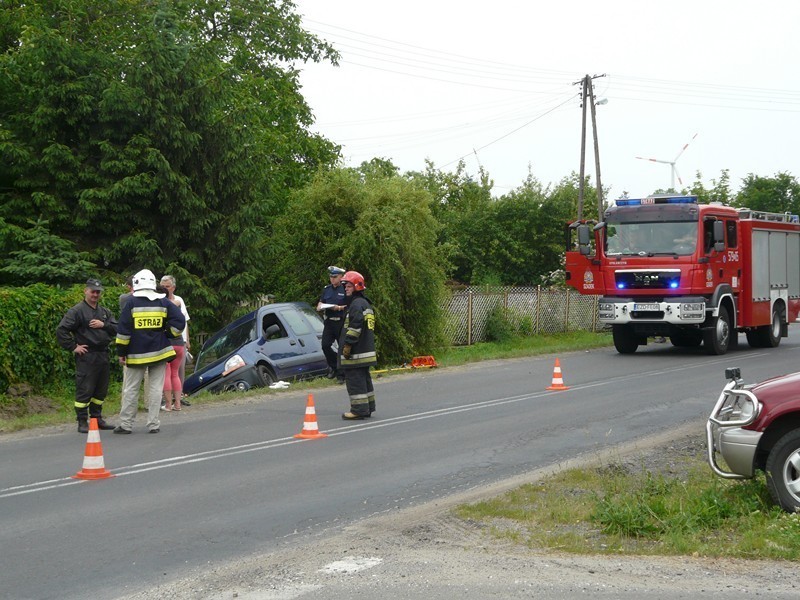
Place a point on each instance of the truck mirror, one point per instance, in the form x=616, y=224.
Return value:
x=584, y=240
x=583, y=235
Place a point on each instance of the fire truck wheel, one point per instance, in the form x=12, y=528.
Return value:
x=625, y=341
x=716, y=339
x=783, y=473
x=768, y=336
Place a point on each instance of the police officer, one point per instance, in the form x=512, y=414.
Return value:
x=357, y=348
x=86, y=330
x=334, y=297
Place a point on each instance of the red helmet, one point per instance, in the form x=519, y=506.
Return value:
x=356, y=278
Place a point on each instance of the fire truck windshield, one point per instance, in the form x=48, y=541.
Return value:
x=651, y=238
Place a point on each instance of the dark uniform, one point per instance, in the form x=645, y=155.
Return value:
x=92, y=369
x=357, y=354
x=334, y=319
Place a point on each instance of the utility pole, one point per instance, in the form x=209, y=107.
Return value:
x=587, y=94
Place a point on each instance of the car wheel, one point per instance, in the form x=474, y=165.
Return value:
x=783, y=472
x=265, y=376
x=717, y=338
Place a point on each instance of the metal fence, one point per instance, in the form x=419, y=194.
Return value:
x=529, y=310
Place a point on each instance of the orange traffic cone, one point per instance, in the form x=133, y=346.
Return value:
x=310, y=429
x=558, y=382
x=93, y=465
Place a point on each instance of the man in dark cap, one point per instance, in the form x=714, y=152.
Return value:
x=86, y=330
x=332, y=303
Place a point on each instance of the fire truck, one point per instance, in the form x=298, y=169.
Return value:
x=669, y=267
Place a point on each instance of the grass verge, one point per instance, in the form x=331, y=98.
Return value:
x=645, y=509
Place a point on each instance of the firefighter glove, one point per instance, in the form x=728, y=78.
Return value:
x=346, y=349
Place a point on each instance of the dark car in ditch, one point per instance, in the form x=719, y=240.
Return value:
x=756, y=427
x=273, y=343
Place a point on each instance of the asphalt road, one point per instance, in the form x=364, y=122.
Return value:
x=220, y=483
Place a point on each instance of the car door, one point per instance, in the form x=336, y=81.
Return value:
x=307, y=327
x=288, y=342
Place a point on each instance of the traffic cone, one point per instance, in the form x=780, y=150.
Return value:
x=93, y=465
x=558, y=382
x=310, y=429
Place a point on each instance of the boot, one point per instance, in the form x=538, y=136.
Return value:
x=349, y=416
x=102, y=424
x=83, y=425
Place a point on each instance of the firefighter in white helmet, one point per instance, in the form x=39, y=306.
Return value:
x=147, y=323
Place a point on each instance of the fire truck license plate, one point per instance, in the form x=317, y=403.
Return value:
x=645, y=307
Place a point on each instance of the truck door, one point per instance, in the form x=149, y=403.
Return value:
x=723, y=258
x=732, y=265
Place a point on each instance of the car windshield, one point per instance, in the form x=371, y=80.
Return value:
x=227, y=343
x=661, y=237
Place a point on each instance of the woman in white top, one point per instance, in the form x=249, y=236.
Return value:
x=173, y=388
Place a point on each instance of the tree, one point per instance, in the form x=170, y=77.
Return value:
x=719, y=192
x=457, y=202
x=380, y=225
x=160, y=134
x=43, y=258
x=780, y=194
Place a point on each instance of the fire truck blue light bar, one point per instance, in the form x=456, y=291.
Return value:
x=657, y=200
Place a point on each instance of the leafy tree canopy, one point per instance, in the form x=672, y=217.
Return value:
x=379, y=224
x=158, y=134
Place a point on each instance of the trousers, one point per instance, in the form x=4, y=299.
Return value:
x=131, y=381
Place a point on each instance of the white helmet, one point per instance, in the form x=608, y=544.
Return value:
x=144, y=280
x=144, y=284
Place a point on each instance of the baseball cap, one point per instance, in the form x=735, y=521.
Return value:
x=333, y=270
x=94, y=284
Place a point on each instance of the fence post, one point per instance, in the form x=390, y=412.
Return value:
x=538, y=307
x=594, y=314
x=469, y=318
x=566, y=312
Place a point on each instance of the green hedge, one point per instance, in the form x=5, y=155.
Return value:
x=29, y=316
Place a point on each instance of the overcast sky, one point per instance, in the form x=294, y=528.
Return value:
x=492, y=83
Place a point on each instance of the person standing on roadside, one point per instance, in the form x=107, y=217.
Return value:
x=332, y=303
x=146, y=325
x=357, y=348
x=123, y=298
x=86, y=330
x=176, y=370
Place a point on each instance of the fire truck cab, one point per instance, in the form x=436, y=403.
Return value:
x=694, y=273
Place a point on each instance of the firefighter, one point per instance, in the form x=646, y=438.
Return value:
x=332, y=303
x=146, y=325
x=357, y=348
x=86, y=330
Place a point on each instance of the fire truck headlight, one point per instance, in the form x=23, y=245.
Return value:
x=693, y=310
x=606, y=310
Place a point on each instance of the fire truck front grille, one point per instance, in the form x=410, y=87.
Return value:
x=647, y=280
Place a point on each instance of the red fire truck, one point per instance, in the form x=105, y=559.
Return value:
x=696, y=273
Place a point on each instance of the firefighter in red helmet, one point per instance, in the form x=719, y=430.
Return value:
x=357, y=348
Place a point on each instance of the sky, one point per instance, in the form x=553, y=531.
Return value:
x=494, y=84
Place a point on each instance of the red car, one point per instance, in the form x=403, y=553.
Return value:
x=757, y=427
